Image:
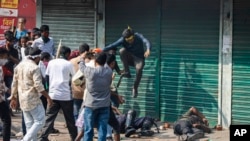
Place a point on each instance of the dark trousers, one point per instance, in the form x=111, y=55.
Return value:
x=67, y=108
x=113, y=122
x=6, y=119
x=130, y=60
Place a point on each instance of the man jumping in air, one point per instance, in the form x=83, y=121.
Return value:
x=132, y=54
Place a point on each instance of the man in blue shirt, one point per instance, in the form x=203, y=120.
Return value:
x=132, y=54
x=45, y=42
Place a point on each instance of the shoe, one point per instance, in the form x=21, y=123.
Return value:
x=19, y=134
x=109, y=139
x=135, y=93
x=126, y=74
x=54, y=131
x=129, y=132
x=193, y=137
x=147, y=133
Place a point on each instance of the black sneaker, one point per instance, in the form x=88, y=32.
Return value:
x=193, y=137
x=126, y=74
x=130, y=132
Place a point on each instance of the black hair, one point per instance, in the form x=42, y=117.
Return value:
x=34, y=51
x=3, y=51
x=24, y=37
x=64, y=50
x=26, y=51
x=83, y=47
x=44, y=28
x=100, y=58
x=35, y=29
x=9, y=36
x=127, y=32
x=89, y=55
x=8, y=33
x=110, y=58
x=45, y=55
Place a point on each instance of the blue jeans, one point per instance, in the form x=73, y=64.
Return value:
x=77, y=107
x=109, y=131
x=34, y=121
x=99, y=117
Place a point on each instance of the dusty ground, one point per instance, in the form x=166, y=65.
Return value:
x=164, y=135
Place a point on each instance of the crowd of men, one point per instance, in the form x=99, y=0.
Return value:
x=39, y=81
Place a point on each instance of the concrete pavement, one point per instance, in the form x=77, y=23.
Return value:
x=164, y=135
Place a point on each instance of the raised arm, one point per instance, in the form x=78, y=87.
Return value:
x=114, y=45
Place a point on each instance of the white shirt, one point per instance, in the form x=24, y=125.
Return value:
x=60, y=72
x=23, y=54
x=42, y=68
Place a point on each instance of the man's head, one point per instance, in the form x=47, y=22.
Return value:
x=128, y=35
x=9, y=37
x=3, y=56
x=34, y=53
x=35, y=33
x=23, y=41
x=100, y=58
x=45, y=56
x=111, y=60
x=65, y=52
x=21, y=23
x=89, y=56
x=44, y=29
x=83, y=48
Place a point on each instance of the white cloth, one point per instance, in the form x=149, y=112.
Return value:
x=76, y=78
x=60, y=72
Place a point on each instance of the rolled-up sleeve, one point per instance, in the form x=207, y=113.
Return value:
x=14, y=85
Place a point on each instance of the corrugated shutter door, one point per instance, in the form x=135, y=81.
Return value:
x=120, y=14
x=241, y=63
x=189, y=58
x=72, y=21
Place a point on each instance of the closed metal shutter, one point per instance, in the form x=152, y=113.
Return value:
x=189, y=58
x=142, y=17
x=241, y=62
x=72, y=21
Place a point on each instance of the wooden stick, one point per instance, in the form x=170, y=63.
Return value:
x=59, y=48
x=13, y=27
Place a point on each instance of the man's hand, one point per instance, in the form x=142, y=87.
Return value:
x=13, y=103
x=147, y=53
x=121, y=99
x=50, y=102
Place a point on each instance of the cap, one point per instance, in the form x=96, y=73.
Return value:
x=97, y=50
